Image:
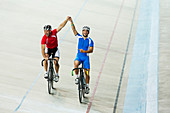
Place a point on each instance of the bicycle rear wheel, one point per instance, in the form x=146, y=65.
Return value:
x=50, y=81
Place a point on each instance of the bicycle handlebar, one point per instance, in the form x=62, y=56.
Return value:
x=48, y=59
x=79, y=68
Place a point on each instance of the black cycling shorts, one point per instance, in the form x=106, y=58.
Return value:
x=54, y=52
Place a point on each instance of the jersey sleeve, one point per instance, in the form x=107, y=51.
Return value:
x=43, y=40
x=78, y=35
x=55, y=31
x=91, y=43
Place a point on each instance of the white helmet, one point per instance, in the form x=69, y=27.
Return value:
x=86, y=28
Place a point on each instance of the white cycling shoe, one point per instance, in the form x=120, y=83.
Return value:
x=87, y=90
x=46, y=75
x=56, y=78
x=76, y=80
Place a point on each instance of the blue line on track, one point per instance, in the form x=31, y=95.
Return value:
x=142, y=88
x=28, y=91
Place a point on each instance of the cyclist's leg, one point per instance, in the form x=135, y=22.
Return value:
x=56, y=56
x=56, y=64
x=47, y=54
x=87, y=76
x=77, y=62
x=45, y=63
x=86, y=64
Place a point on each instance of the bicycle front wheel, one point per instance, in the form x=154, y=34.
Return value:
x=80, y=87
x=50, y=81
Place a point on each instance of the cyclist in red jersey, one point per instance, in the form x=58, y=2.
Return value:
x=49, y=46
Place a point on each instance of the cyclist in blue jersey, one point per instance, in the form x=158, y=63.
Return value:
x=85, y=46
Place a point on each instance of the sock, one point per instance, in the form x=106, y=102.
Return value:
x=76, y=76
x=45, y=71
x=56, y=74
x=87, y=85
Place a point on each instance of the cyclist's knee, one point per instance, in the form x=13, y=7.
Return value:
x=76, y=63
x=87, y=70
x=75, y=66
x=45, y=62
x=57, y=58
x=47, y=55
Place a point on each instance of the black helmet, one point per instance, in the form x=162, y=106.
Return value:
x=47, y=27
x=86, y=28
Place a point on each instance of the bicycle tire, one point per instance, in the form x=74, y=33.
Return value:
x=50, y=81
x=80, y=90
x=53, y=79
x=83, y=87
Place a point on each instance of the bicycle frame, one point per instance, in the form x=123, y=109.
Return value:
x=50, y=74
x=81, y=83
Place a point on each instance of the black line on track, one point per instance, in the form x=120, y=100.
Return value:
x=124, y=62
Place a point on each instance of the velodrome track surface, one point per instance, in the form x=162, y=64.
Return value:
x=112, y=22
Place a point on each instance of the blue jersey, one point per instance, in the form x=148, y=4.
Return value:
x=83, y=44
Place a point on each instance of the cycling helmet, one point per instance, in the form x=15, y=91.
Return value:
x=47, y=27
x=86, y=28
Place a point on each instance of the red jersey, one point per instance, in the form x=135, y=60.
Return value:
x=51, y=41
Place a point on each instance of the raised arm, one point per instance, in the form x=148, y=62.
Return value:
x=63, y=24
x=73, y=27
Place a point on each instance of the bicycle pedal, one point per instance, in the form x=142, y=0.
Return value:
x=56, y=81
x=87, y=90
x=76, y=81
